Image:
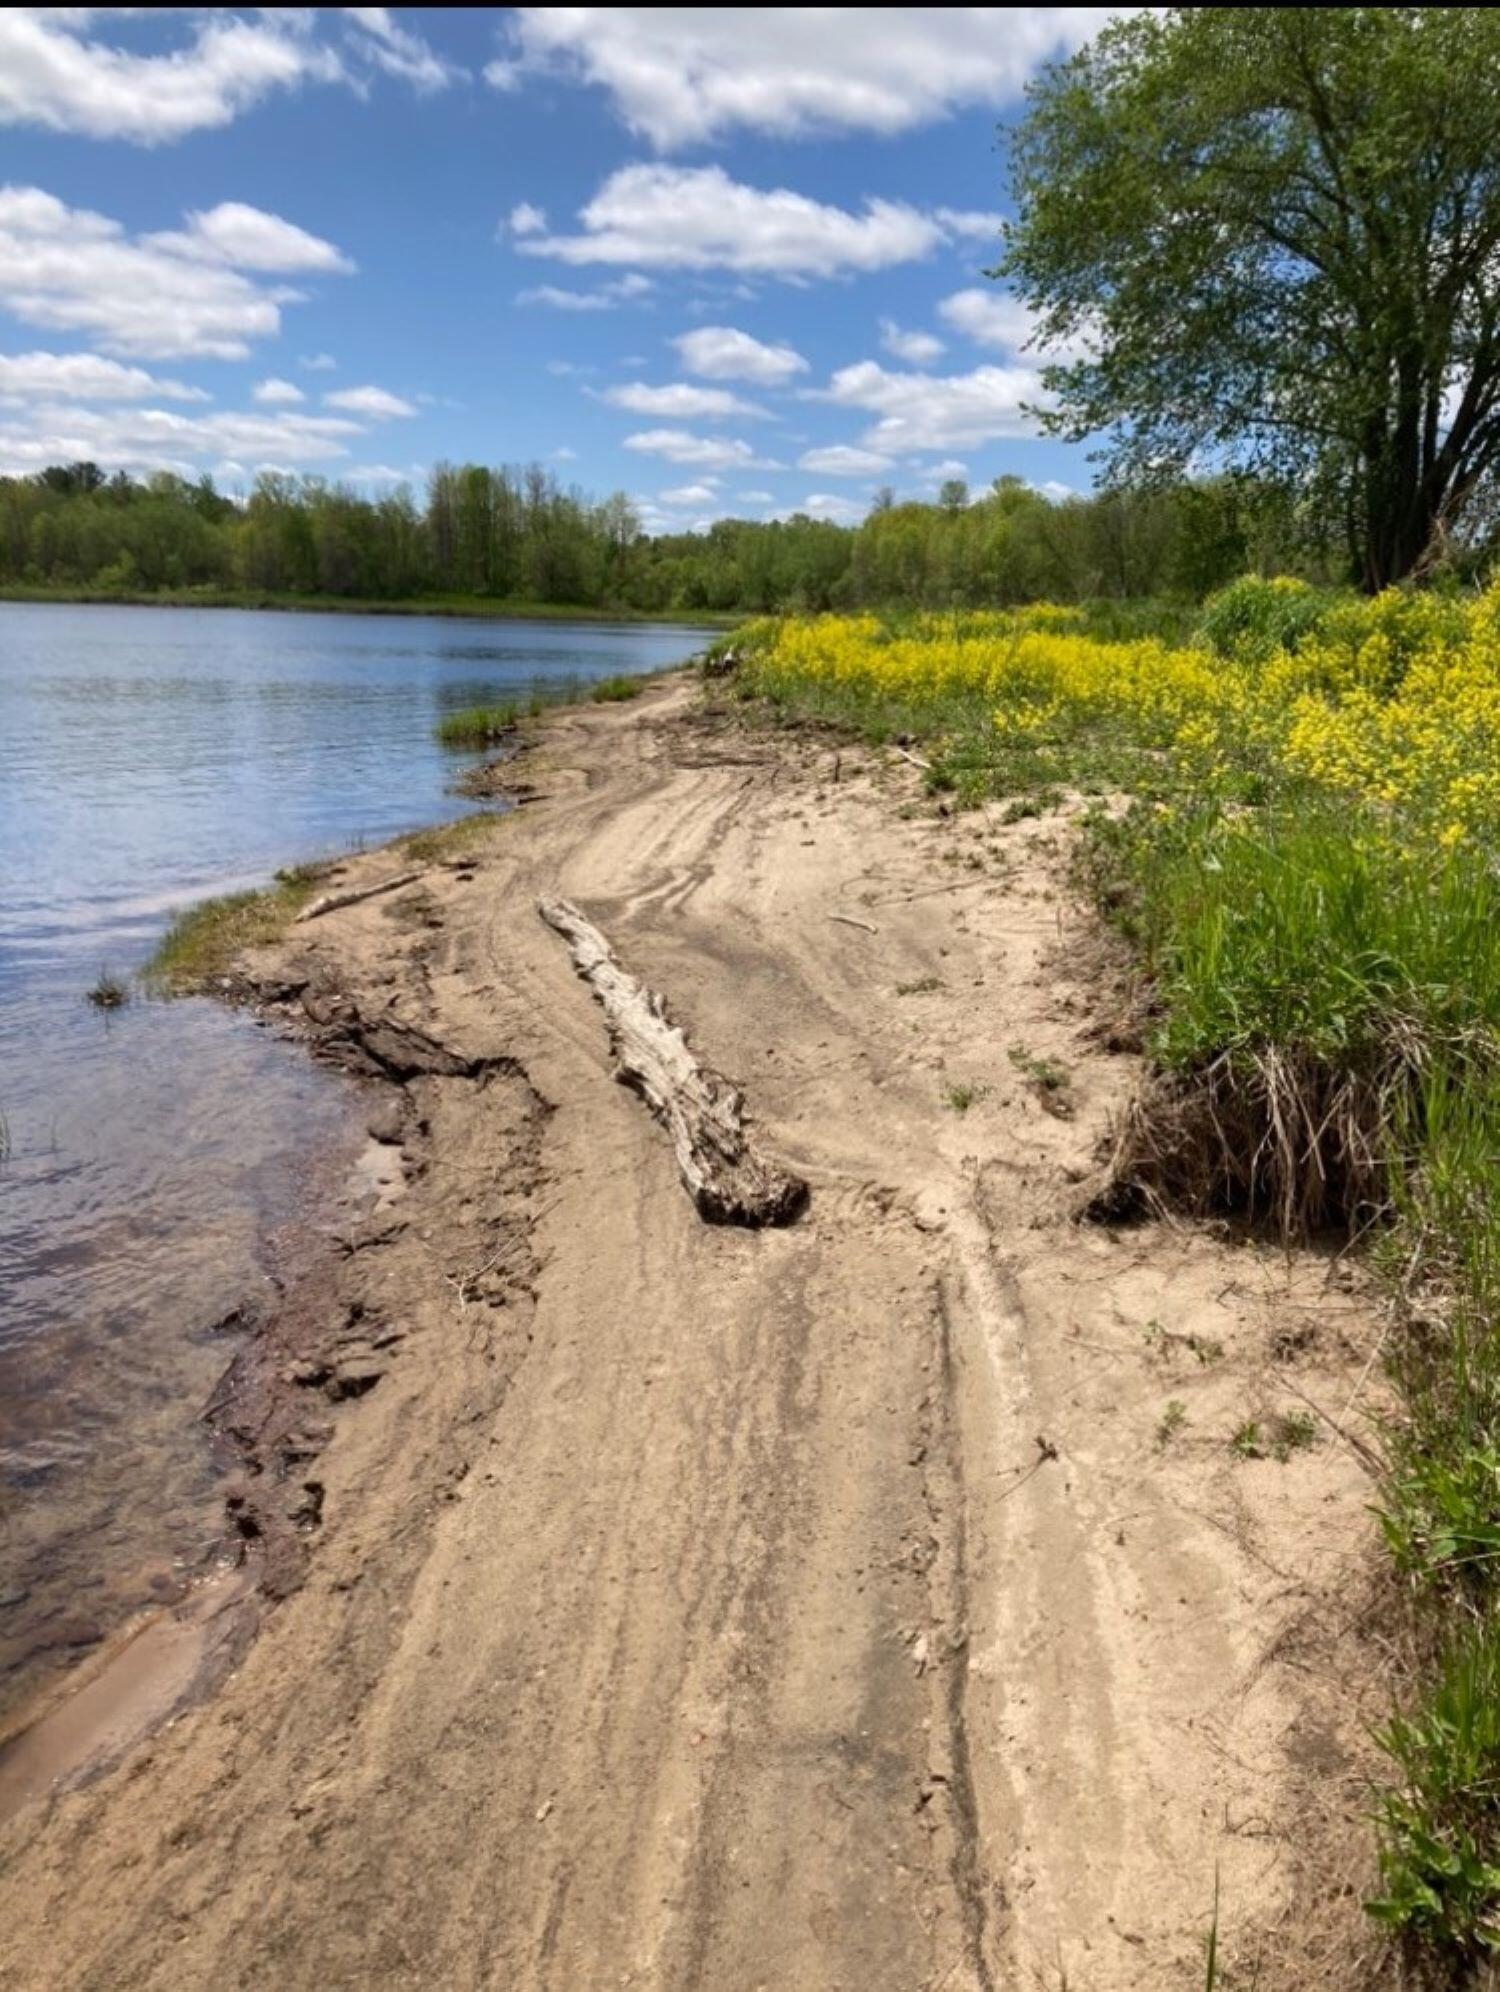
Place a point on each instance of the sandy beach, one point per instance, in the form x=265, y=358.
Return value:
x=634, y=1600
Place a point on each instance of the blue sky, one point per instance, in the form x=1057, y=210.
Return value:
x=727, y=260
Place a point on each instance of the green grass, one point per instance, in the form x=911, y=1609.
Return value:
x=202, y=942
x=960, y=1097
x=447, y=843
x=614, y=691
x=477, y=726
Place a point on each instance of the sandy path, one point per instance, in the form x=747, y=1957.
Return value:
x=813, y=1608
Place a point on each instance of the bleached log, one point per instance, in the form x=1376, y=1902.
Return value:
x=725, y=1177
x=330, y=902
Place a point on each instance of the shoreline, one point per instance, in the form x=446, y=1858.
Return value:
x=466, y=609
x=587, y=1533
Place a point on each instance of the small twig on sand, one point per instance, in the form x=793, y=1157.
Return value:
x=849, y=920
x=915, y=759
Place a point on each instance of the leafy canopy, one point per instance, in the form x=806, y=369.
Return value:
x=1272, y=239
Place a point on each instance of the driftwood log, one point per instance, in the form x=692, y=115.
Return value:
x=330, y=902
x=725, y=1177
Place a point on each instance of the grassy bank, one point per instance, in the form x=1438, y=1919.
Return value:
x=477, y=607
x=201, y=943
x=1307, y=871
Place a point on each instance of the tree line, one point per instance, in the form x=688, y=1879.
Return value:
x=516, y=535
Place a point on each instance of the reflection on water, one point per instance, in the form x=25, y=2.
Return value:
x=148, y=757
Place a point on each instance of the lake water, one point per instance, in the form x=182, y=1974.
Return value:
x=156, y=1155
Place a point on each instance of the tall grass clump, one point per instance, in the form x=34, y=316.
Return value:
x=477, y=726
x=1309, y=873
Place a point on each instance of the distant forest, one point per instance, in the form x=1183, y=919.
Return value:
x=515, y=534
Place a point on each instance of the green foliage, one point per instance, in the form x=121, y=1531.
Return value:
x=614, y=691
x=1252, y=618
x=1267, y=237
x=485, y=539
x=1441, y=1879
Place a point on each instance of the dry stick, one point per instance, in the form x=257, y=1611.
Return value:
x=848, y=920
x=915, y=759
x=728, y=1181
x=330, y=902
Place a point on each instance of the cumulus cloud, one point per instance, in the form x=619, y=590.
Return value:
x=525, y=219
x=247, y=238
x=681, y=75
x=916, y=348
x=678, y=401
x=375, y=402
x=921, y=411
x=169, y=296
x=841, y=461
x=698, y=218
x=159, y=438
x=720, y=352
x=706, y=492
x=832, y=505
x=999, y=318
x=705, y=452
x=318, y=362
x=58, y=71
x=85, y=377
x=275, y=393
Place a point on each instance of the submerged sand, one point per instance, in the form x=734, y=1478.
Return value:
x=657, y=1603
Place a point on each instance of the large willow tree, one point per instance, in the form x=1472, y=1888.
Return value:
x=1273, y=235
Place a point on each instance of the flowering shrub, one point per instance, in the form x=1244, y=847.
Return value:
x=1393, y=702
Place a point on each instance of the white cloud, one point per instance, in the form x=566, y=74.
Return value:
x=832, y=505
x=706, y=452
x=971, y=221
x=916, y=348
x=605, y=298
x=58, y=72
x=841, y=461
x=681, y=75
x=398, y=51
x=704, y=493
x=72, y=270
x=1056, y=492
x=318, y=362
x=275, y=393
x=919, y=411
x=720, y=352
x=85, y=377
x=756, y=497
x=678, y=401
x=999, y=318
x=697, y=218
x=158, y=438
x=527, y=220
x=565, y=455
x=247, y=238
x=939, y=473
x=989, y=318
x=375, y=402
